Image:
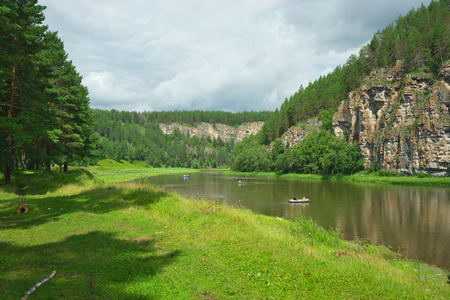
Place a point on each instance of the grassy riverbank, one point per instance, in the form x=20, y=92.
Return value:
x=131, y=241
x=358, y=177
x=108, y=171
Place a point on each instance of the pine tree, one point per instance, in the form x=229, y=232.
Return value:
x=22, y=97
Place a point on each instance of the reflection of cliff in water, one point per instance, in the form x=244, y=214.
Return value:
x=410, y=220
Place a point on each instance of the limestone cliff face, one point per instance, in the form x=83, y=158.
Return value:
x=296, y=134
x=226, y=133
x=400, y=121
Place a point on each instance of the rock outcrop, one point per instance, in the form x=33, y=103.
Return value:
x=400, y=121
x=226, y=133
x=297, y=133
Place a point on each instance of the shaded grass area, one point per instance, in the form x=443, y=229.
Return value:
x=131, y=241
x=41, y=182
x=84, y=237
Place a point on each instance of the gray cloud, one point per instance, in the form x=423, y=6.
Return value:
x=221, y=55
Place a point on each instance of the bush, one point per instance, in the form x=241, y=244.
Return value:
x=422, y=175
x=383, y=173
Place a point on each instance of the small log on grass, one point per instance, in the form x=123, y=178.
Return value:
x=34, y=287
x=22, y=209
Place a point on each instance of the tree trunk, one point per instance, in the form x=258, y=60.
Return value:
x=8, y=168
x=7, y=172
x=48, y=162
x=65, y=166
x=23, y=161
x=11, y=99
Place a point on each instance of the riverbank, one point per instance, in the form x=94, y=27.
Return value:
x=358, y=177
x=110, y=171
x=133, y=241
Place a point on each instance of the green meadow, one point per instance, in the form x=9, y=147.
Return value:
x=109, y=170
x=110, y=240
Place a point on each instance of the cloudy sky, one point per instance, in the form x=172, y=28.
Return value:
x=234, y=55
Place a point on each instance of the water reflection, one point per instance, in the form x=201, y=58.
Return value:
x=412, y=220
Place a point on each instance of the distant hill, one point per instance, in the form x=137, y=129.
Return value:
x=145, y=137
x=396, y=117
x=185, y=117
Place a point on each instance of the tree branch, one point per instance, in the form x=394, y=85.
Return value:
x=34, y=287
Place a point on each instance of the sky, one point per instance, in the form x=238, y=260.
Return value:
x=230, y=55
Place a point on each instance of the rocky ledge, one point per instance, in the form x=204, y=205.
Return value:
x=400, y=121
x=297, y=133
x=226, y=133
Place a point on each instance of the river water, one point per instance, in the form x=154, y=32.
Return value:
x=411, y=220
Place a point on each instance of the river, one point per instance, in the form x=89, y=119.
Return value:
x=411, y=220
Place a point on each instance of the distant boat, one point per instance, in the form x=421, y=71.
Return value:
x=303, y=200
x=186, y=176
x=242, y=182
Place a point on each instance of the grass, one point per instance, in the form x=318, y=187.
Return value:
x=132, y=241
x=109, y=171
x=363, y=176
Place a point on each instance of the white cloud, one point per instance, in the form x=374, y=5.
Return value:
x=193, y=54
x=108, y=90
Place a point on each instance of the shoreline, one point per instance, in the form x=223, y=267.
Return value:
x=103, y=238
x=358, y=177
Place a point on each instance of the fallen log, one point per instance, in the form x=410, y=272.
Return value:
x=34, y=287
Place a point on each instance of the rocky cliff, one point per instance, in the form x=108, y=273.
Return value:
x=226, y=133
x=400, y=121
x=297, y=133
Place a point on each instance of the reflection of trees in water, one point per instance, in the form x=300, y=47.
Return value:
x=413, y=220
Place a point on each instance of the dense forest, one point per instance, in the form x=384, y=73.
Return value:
x=136, y=136
x=45, y=117
x=190, y=118
x=421, y=39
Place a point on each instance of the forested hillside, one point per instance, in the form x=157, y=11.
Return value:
x=45, y=117
x=184, y=117
x=137, y=136
x=421, y=39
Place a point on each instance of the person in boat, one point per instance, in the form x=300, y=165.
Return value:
x=294, y=198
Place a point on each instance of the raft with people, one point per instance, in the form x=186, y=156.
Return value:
x=302, y=200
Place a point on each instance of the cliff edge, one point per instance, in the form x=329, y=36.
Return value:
x=226, y=133
x=400, y=121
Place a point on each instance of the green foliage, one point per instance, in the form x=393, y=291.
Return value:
x=319, y=153
x=284, y=163
x=134, y=142
x=326, y=154
x=44, y=116
x=185, y=117
x=421, y=39
x=423, y=175
x=250, y=156
x=326, y=117
x=383, y=173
